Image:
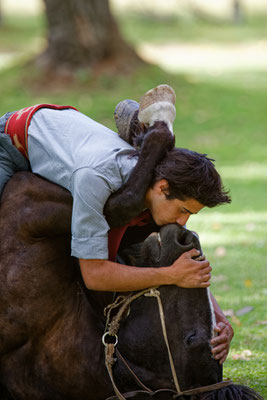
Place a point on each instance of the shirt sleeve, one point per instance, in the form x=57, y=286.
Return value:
x=90, y=191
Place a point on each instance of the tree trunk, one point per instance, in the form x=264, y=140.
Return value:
x=83, y=33
x=1, y=17
x=237, y=12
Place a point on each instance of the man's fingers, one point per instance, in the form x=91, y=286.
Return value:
x=192, y=253
x=219, y=327
x=219, y=349
x=205, y=284
x=206, y=270
x=206, y=277
x=221, y=357
x=221, y=343
x=204, y=265
x=218, y=340
x=194, y=273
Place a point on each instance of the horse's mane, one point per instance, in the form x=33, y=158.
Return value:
x=232, y=392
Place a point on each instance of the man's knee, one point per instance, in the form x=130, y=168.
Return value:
x=11, y=161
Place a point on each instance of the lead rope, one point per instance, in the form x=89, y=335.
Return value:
x=156, y=293
x=112, y=328
x=110, y=360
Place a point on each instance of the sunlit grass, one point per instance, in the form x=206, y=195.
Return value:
x=159, y=29
x=21, y=33
x=249, y=171
x=235, y=229
x=236, y=246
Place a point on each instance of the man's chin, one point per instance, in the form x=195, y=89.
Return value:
x=159, y=222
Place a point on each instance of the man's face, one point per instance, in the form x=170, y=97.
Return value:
x=166, y=211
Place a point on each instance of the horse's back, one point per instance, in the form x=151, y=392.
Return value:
x=48, y=329
x=37, y=272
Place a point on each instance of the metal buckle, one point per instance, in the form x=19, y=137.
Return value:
x=104, y=339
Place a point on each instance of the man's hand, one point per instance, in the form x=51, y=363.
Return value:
x=188, y=273
x=221, y=343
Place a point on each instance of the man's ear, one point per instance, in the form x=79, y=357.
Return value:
x=162, y=186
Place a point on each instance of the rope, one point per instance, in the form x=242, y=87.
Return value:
x=109, y=351
x=107, y=311
x=156, y=293
x=112, y=330
x=124, y=302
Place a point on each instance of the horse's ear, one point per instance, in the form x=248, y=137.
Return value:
x=188, y=240
x=174, y=240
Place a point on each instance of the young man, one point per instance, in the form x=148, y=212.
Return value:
x=92, y=162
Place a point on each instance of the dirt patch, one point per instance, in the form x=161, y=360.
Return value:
x=207, y=58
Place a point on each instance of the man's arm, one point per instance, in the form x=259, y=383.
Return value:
x=185, y=272
x=221, y=343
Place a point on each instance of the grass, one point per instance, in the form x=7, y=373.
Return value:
x=149, y=27
x=227, y=121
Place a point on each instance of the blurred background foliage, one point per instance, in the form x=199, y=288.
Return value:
x=214, y=54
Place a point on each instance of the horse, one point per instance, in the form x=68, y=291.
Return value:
x=55, y=341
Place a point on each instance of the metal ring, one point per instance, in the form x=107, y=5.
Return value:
x=108, y=334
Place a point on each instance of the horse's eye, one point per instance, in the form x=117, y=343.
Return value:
x=191, y=337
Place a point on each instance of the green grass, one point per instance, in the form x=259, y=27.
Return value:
x=21, y=33
x=226, y=121
x=159, y=29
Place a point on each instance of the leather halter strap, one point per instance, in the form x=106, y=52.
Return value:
x=140, y=383
x=202, y=389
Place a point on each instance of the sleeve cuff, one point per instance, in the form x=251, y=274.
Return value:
x=90, y=248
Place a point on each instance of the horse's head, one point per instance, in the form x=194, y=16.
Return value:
x=189, y=321
x=161, y=248
x=188, y=316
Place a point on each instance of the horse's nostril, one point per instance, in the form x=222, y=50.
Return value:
x=191, y=337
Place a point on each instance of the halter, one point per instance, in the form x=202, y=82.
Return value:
x=112, y=328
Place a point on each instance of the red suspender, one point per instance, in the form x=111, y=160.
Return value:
x=115, y=235
x=18, y=123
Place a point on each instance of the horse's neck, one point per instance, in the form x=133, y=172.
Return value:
x=99, y=301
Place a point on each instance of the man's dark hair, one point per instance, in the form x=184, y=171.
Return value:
x=191, y=175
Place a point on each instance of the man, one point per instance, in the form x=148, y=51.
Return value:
x=92, y=162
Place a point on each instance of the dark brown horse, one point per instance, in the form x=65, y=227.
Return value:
x=51, y=326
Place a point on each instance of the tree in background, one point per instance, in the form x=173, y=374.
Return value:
x=83, y=33
x=237, y=11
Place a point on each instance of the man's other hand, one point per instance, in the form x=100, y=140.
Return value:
x=221, y=343
x=189, y=273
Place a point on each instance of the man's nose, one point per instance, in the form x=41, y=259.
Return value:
x=182, y=219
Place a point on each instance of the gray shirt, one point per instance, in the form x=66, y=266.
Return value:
x=88, y=159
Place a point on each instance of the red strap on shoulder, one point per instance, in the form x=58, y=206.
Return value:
x=18, y=123
x=115, y=235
